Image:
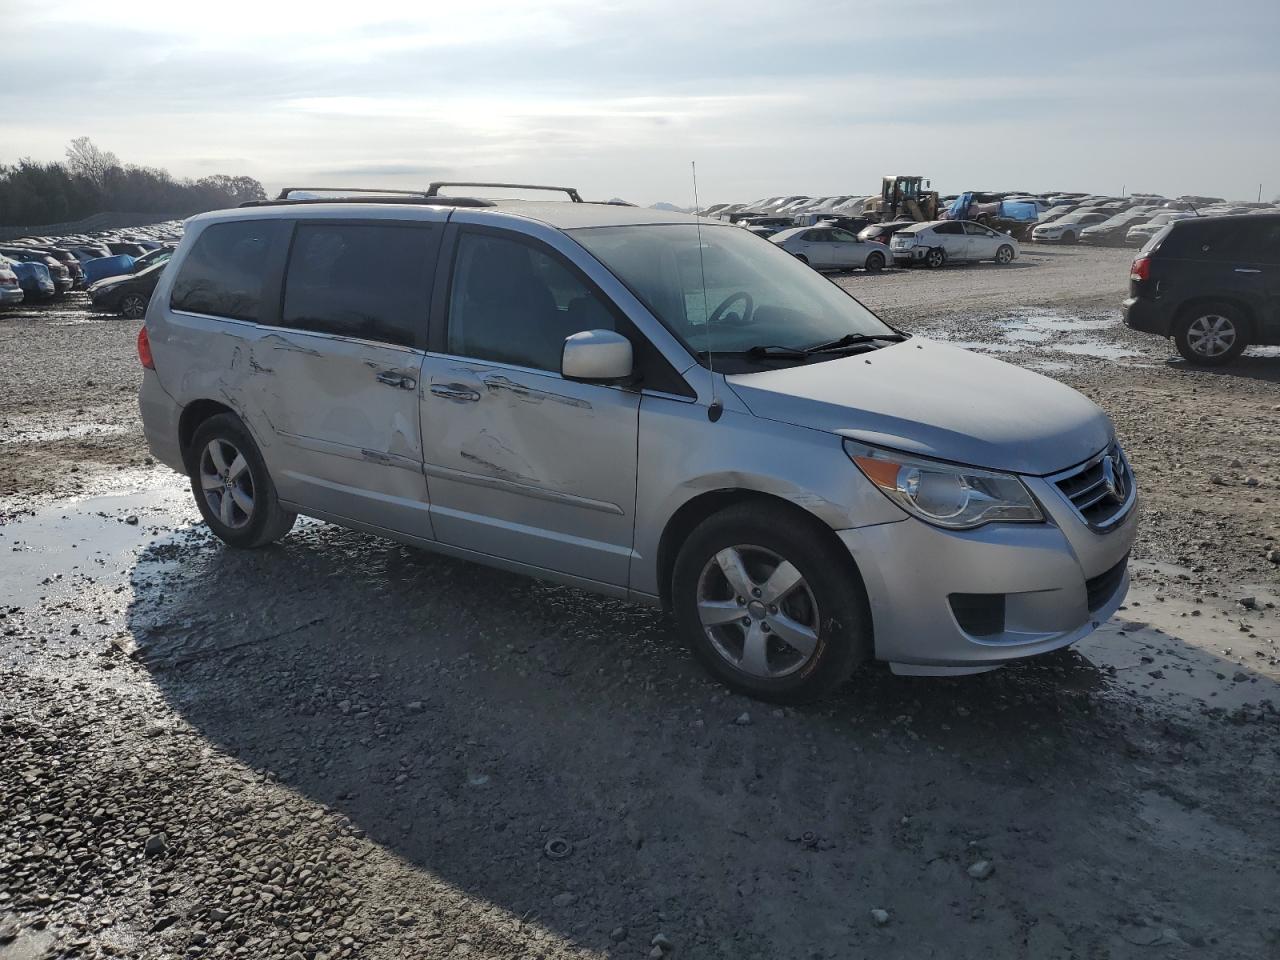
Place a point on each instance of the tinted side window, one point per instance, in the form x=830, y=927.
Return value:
x=976, y=230
x=360, y=280
x=228, y=270
x=512, y=302
x=1254, y=240
x=949, y=228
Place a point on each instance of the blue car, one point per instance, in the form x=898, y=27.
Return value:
x=103, y=267
x=34, y=279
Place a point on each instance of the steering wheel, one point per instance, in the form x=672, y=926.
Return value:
x=720, y=311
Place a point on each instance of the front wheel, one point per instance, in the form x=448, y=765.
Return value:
x=232, y=487
x=935, y=258
x=875, y=262
x=1068, y=237
x=1211, y=335
x=1004, y=255
x=769, y=604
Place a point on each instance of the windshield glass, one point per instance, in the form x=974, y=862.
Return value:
x=756, y=293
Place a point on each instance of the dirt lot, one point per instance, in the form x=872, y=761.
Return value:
x=341, y=747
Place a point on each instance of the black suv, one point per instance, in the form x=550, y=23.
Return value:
x=1212, y=283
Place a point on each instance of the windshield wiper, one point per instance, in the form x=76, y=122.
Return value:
x=847, y=342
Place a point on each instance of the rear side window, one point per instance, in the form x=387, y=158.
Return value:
x=949, y=227
x=228, y=271
x=370, y=281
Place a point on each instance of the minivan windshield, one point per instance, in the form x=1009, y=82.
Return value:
x=756, y=294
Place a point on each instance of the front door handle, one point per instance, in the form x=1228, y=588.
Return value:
x=1246, y=270
x=455, y=391
x=393, y=379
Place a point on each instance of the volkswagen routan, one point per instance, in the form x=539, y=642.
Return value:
x=641, y=404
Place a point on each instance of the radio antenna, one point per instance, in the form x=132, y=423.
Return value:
x=716, y=408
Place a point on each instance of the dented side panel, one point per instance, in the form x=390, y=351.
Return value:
x=531, y=467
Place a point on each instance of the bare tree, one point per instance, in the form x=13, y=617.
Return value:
x=87, y=160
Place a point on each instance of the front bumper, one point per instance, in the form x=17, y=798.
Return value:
x=11, y=295
x=1060, y=580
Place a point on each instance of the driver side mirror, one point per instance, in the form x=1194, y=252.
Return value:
x=597, y=356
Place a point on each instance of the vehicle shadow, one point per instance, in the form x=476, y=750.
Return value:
x=1249, y=366
x=463, y=717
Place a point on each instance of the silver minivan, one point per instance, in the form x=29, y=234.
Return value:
x=640, y=404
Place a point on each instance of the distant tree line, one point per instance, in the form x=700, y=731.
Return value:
x=93, y=180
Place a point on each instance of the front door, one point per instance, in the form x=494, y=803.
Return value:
x=521, y=463
x=338, y=380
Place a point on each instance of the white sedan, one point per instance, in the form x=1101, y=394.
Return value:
x=952, y=241
x=830, y=248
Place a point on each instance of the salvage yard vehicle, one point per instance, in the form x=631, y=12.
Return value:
x=829, y=248
x=883, y=232
x=59, y=275
x=1140, y=233
x=951, y=241
x=1113, y=229
x=1210, y=283
x=33, y=279
x=127, y=295
x=10, y=290
x=1067, y=229
x=582, y=392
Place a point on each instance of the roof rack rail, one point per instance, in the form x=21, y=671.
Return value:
x=433, y=190
x=365, y=195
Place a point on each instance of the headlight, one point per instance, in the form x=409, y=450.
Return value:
x=946, y=495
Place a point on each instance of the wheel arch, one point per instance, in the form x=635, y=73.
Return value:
x=194, y=414
x=698, y=508
x=1192, y=304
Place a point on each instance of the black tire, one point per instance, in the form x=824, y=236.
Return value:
x=875, y=262
x=1068, y=237
x=1202, y=329
x=1004, y=255
x=935, y=258
x=266, y=521
x=843, y=621
x=133, y=306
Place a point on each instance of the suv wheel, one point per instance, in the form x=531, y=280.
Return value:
x=769, y=605
x=133, y=306
x=1211, y=335
x=935, y=257
x=232, y=487
x=1004, y=255
x=874, y=262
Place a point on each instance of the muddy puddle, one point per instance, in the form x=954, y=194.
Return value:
x=76, y=431
x=142, y=544
x=1047, y=330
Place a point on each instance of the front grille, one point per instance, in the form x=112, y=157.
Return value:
x=1103, y=587
x=1101, y=490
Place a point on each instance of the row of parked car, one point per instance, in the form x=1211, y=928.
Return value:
x=118, y=269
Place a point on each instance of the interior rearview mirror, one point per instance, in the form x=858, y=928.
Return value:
x=597, y=356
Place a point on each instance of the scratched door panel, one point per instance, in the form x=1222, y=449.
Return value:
x=345, y=415
x=531, y=467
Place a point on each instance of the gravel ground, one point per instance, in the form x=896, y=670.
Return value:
x=341, y=747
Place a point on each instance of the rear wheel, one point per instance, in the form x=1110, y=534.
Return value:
x=133, y=306
x=935, y=258
x=1211, y=335
x=231, y=485
x=1068, y=237
x=1004, y=255
x=875, y=262
x=769, y=605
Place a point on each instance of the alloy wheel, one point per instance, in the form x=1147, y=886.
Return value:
x=227, y=483
x=1004, y=254
x=758, y=612
x=133, y=307
x=1211, y=335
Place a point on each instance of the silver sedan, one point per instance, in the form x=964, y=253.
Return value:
x=830, y=248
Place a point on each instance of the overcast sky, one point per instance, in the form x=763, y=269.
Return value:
x=1176, y=96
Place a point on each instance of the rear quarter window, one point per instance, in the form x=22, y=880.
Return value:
x=230, y=269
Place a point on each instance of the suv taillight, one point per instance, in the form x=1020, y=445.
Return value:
x=1140, y=269
x=144, y=350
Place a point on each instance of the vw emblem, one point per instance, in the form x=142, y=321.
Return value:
x=1113, y=477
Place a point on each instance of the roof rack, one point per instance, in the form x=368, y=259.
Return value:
x=433, y=190
x=366, y=195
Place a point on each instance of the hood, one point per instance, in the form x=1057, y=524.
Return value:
x=936, y=400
